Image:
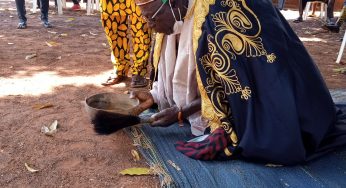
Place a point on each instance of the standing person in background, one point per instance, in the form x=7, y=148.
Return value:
x=76, y=5
x=313, y=7
x=44, y=6
x=335, y=27
x=330, y=9
x=119, y=17
x=281, y=4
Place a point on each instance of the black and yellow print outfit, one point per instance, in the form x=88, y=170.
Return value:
x=260, y=90
x=120, y=18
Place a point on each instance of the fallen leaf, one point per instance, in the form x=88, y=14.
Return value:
x=49, y=131
x=42, y=106
x=69, y=20
x=63, y=34
x=340, y=70
x=91, y=33
x=136, y=171
x=54, y=125
x=29, y=168
x=51, y=43
x=53, y=32
x=30, y=56
x=273, y=165
x=135, y=155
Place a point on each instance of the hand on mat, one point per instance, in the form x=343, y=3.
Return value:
x=165, y=117
x=210, y=148
x=146, y=100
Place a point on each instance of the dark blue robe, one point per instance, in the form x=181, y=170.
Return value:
x=264, y=86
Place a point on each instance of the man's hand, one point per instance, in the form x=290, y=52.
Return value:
x=146, y=100
x=165, y=117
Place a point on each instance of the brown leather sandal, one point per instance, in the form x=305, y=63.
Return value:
x=138, y=81
x=113, y=79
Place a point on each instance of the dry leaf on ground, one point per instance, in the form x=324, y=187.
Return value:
x=51, y=43
x=42, y=106
x=135, y=155
x=136, y=171
x=69, y=20
x=53, y=32
x=49, y=131
x=91, y=33
x=30, y=56
x=29, y=168
x=340, y=70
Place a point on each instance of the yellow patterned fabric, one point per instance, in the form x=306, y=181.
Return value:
x=157, y=51
x=127, y=34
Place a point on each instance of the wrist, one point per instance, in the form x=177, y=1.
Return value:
x=180, y=117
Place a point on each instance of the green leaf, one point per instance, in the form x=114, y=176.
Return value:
x=136, y=171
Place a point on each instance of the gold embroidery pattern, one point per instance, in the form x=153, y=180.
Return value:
x=218, y=67
x=202, y=8
x=222, y=81
x=208, y=111
x=239, y=32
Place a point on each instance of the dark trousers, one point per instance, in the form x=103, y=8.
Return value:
x=330, y=6
x=44, y=6
x=281, y=4
x=75, y=2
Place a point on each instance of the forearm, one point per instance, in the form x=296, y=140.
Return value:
x=191, y=108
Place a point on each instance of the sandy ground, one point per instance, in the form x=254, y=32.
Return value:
x=63, y=75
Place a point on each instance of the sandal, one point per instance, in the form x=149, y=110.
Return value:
x=138, y=81
x=21, y=25
x=332, y=28
x=113, y=79
x=298, y=20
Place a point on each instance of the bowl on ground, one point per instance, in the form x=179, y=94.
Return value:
x=105, y=103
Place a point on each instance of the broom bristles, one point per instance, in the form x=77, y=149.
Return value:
x=106, y=123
